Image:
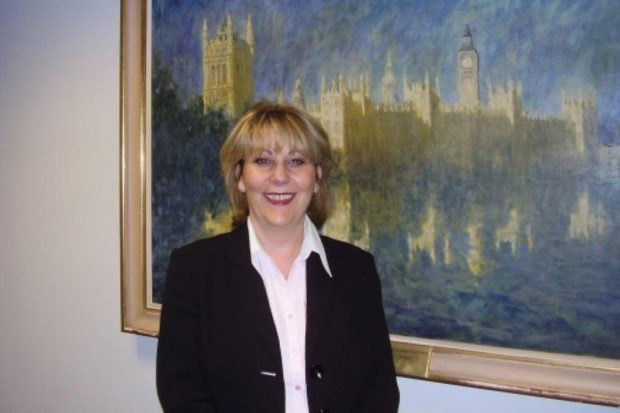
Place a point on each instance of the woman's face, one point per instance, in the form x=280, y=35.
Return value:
x=279, y=187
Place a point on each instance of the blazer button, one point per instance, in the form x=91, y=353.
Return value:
x=317, y=373
x=324, y=411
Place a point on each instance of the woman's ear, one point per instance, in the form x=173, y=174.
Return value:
x=240, y=184
x=319, y=175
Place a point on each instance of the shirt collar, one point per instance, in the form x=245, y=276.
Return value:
x=311, y=243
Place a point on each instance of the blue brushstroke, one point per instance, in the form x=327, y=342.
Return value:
x=564, y=295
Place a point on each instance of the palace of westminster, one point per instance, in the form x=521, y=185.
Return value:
x=460, y=137
x=229, y=84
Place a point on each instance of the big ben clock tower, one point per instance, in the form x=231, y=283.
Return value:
x=469, y=72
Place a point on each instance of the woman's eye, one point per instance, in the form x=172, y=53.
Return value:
x=262, y=161
x=297, y=161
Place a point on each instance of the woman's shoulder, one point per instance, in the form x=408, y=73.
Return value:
x=341, y=248
x=211, y=245
x=351, y=266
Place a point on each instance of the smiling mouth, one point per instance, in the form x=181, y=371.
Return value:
x=278, y=198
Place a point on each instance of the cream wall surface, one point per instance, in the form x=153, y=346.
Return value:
x=61, y=348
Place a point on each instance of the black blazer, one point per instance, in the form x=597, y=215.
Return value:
x=218, y=339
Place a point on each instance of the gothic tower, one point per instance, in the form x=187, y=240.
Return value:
x=469, y=71
x=388, y=83
x=299, y=99
x=583, y=114
x=228, y=68
x=332, y=111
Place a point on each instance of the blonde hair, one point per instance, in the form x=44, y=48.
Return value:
x=279, y=124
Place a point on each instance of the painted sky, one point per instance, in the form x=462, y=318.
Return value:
x=549, y=46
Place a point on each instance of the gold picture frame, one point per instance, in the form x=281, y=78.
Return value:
x=137, y=316
x=584, y=379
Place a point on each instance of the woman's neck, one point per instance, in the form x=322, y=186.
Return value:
x=281, y=244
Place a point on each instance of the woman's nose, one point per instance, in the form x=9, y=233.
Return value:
x=279, y=174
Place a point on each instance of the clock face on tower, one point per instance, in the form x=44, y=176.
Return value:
x=467, y=62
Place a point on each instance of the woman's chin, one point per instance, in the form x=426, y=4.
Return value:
x=284, y=221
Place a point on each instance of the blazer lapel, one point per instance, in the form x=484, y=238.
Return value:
x=247, y=286
x=319, y=299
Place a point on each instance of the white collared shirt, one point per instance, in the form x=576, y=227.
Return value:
x=287, y=300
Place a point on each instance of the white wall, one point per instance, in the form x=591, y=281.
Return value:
x=61, y=349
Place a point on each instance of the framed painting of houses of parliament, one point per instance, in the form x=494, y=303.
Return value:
x=478, y=159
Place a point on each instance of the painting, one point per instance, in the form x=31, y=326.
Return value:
x=478, y=159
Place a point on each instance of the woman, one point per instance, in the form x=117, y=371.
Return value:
x=272, y=317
